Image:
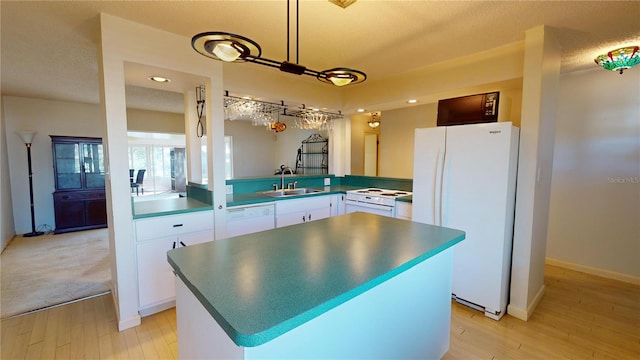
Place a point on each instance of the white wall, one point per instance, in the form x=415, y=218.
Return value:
x=539, y=99
x=7, y=228
x=594, y=217
x=46, y=117
x=253, y=148
x=155, y=121
x=397, y=129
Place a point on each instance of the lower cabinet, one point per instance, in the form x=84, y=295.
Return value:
x=156, y=236
x=403, y=210
x=338, y=205
x=297, y=211
x=79, y=210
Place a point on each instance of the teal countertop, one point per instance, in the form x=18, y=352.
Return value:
x=260, y=286
x=161, y=207
x=151, y=208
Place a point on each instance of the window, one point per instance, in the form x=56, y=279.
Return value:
x=153, y=152
x=228, y=158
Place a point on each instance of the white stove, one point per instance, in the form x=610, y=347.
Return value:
x=374, y=200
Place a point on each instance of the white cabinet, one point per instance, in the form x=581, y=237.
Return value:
x=338, y=204
x=250, y=219
x=154, y=237
x=297, y=211
x=403, y=210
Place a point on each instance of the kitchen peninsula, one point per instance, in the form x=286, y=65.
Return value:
x=351, y=286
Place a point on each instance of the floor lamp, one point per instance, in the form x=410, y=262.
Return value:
x=27, y=137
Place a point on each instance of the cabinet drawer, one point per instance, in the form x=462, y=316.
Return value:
x=295, y=205
x=61, y=196
x=173, y=225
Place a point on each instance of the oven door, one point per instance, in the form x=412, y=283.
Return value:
x=354, y=206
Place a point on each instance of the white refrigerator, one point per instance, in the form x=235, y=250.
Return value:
x=464, y=177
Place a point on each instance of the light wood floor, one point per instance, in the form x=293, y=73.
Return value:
x=580, y=317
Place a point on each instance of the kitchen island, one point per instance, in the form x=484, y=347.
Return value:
x=352, y=286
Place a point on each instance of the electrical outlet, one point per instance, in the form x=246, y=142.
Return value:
x=327, y=181
x=229, y=189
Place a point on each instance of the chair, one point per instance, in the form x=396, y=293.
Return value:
x=139, y=180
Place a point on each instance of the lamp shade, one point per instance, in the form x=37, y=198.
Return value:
x=26, y=135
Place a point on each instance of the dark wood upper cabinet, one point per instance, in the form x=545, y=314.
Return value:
x=79, y=200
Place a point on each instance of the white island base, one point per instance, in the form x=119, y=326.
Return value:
x=405, y=317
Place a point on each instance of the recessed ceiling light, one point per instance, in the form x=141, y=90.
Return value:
x=159, y=79
x=412, y=101
x=360, y=110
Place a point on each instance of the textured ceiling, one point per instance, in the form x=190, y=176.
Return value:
x=49, y=48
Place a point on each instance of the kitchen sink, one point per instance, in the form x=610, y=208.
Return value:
x=291, y=192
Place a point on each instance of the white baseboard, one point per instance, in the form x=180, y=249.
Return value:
x=133, y=321
x=635, y=280
x=124, y=324
x=524, y=314
x=157, y=308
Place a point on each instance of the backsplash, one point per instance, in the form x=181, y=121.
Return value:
x=199, y=192
x=379, y=182
x=250, y=185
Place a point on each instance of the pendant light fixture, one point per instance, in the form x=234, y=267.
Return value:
x=374, y=122
x=235, y=48
x=619, y=59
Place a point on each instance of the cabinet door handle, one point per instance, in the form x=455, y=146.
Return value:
x=177, y=225
x=303, y=218
x=65, y=197
x=174, y=244
x=183, y=244
x=309, y=217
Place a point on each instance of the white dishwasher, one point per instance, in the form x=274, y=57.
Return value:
x=250, y=219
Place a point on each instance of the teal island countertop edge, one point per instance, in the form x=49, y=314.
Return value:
x=260, y=286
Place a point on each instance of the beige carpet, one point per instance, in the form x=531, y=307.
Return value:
x=52, y=269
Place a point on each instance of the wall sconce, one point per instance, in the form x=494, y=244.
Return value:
x=374, y=122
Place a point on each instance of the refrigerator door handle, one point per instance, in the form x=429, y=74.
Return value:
x=444, y=174
x=437, y=189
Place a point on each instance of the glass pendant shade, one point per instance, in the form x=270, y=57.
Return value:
x=340, y=81
x=226, y=47
x=342, y=76
x=619, y=59
x=374, y=122
x=226, y=51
